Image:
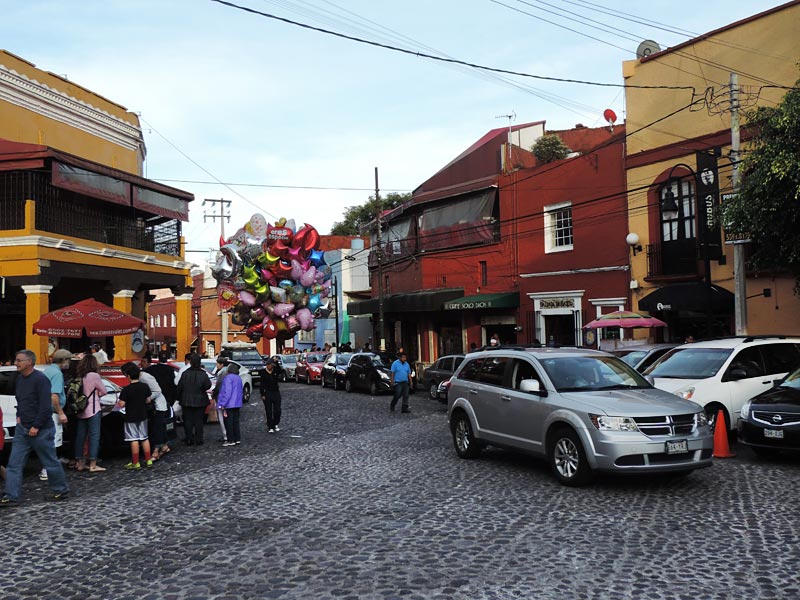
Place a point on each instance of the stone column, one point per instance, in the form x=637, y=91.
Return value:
x=37, y=303
x=184, y=319
x=123, y=301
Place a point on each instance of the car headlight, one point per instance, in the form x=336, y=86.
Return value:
x=701, y=419
x=314, y=370
x=746, y=410
x=605, y=423
x=340, y=371
x=685, y=394
x=383, y=375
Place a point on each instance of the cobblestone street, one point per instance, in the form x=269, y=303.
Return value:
x=352, y=501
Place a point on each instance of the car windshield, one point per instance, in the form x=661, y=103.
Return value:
x=792, y=380
x=631, y=357
x=289, y=359
x=591, y=373
x=247, y=357
x=343, y=359
x=316, y=358
x=690, y=363
x=380, y=362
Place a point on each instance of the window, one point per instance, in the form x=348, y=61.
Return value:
x=748, y=359
x=447, y=364
x=484, y=273
x=471, y=370
x=677, y=210
x=172, y=320
x=780, y=358
x=386, y=284
x=521, y=370
x=558, y=227
x=493, y=370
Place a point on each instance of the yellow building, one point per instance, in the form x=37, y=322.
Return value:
x=77, y=219
x=679, y=109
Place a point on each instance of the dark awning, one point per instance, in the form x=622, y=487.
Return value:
x=484, y=301
x=688, y=296
x=411, y=302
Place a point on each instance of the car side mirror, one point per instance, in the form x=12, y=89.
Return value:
x=532, y=386
x=737, y=373
x=650, y=379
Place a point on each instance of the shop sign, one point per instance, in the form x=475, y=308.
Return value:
x=547, y=303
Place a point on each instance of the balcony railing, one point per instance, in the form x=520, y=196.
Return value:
x=672, y=259
x=67, y=213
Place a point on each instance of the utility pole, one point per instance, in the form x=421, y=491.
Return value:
x=222, y=215
x=381, y=340
x=336, y=308
x=739, y=273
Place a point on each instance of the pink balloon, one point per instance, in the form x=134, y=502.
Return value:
x=247, y=298
x=306, y=319
x=297, y=270
x=308, y=277
x=283, y=309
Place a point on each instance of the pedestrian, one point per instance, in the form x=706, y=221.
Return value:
x=689, y=339
x=34, y=431
x=193, y=398
x=88, y=421
x=59, y=363
x=366, y=347
x=270, y=395
x=401, y=381
x=134, y=398
x=185, y=366
x=165, y=377
x=229, y=401
x=156, y=425
x=494, y=340
x=99, y=354
x=220, y=371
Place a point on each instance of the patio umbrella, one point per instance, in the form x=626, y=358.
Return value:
x=625, y=318
x=89, y=316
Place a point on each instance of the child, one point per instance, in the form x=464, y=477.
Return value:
x=134, y=399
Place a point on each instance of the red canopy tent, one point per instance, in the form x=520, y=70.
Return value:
x=89, y=317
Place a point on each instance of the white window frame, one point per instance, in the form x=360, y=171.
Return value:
x=550, y=245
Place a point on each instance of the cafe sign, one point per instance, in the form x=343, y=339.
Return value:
x=549, y=303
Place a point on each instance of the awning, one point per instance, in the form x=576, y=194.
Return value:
x=688, y=296
x=484, y=301
x=411, y=302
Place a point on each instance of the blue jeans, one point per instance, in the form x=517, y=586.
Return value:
x=92, y=427
x=42, y=444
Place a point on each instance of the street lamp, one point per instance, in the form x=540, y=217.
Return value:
x=633, y=241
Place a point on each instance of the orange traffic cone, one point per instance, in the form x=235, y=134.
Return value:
x=721, y=448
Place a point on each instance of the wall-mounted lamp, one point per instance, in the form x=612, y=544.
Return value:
x=633, y=242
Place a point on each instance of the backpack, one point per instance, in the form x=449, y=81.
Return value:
x=76, y=399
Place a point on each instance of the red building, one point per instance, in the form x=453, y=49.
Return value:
x=494, y=243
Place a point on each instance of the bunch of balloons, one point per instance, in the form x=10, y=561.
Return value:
x=273, y=278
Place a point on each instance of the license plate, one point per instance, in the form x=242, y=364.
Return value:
x=773, y=433
x=678, y=447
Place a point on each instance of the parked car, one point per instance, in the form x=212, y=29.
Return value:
x=770, y=422
x=582, y=410
x=309, y=367
x=723, y=374
x=642, y=356
x=334, y=369
x=369, y=372
x=111, y=433
x=210, y=365
x=439, y=371
x=389, y=357
x=247, y=356
x=285, y=364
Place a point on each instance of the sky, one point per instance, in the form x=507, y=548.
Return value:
x=294, y=122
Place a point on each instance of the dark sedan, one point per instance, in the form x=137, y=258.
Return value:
x=439, y=371
x=770, y=422
x=334, y=370
x=369, y=372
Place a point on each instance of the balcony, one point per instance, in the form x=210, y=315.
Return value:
x=673, y=260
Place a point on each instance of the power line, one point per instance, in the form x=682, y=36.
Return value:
x=443, y=59
x=287, y=187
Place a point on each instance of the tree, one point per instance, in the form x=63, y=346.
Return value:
x=356, y=217
x=549, y=148
x=768, y=203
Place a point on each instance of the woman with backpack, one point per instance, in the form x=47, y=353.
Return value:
x=89, y=418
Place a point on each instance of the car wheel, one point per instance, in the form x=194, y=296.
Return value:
x=373, y=388
x=434, y=392
x=765, y=452
x=463, y=439
x=567, y=458
x=246, y=394
x=348, y=387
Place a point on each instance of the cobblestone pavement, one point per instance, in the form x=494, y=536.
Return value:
x=352, y=501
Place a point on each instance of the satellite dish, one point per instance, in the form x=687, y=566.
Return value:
x=646, y=48
x=610, y=116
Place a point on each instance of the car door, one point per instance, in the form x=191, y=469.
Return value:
x=526, y=413
x=780, y=359
x=738, y=391
x=359, y=370
x=494, y=409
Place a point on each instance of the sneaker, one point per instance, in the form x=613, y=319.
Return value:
x=271, y=430
x=6, y=502
x=228, y=444
x=131, y=466
x=277, y=428
x=149, y=463
x=57, y=496
x=43, y=474
x=237, y=443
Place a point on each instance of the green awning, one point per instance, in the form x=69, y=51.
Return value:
x=484, y=301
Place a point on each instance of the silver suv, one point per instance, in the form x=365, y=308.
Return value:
x=582, y=410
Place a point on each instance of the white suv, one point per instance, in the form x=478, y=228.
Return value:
x=725, y=373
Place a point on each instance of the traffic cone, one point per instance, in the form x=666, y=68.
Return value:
x=721, y=448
